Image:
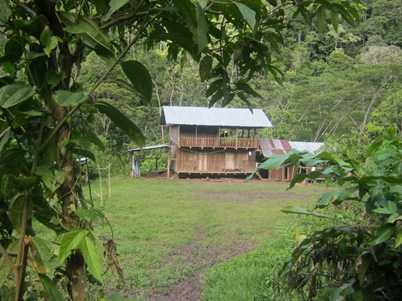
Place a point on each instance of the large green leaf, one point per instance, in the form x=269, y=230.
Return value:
x=335, y=20
x=14, y=48
x=69, y=242
x=14, y=94
x=187, y=10
x=69, y=99
x=215, y=86
x=243, y=86
x=52, y=291
x=336, y=196
x=33, y=26
x=46, y=214
x=91, y=137
x=17, y=205
x=298, y=210
x=247, y=13
x=384, y=232
x=398, y=241
x=77, y=29
x=5, y=268
x=96, y=33
x=91, y=257
x=202, y=28
x=321, y=18
x=179, y=35
x=121, y=121
x=116, y=5
x=139, y=76
x=5, y=11
x=40, y=255
x=273, y=162
x=93, y=36
x=50, y=42
x=205, y=68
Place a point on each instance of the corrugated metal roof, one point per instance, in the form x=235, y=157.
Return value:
x=224, y=117
x=148, y=147
x=281, y=147
x=312, y=147
x=274, y=146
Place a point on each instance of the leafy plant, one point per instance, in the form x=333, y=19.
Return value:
x=359, y=256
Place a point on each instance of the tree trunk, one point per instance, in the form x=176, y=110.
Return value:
x=75, y=265
x=76, y=273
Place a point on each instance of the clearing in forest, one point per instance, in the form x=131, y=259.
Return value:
x=168, y=233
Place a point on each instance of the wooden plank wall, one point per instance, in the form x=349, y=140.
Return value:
x=283, y=174
x=228, y=161
x=174, y=135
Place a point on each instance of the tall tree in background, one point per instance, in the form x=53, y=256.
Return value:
x=45, y=111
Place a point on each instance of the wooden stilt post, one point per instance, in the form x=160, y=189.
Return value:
x=168, y=169
x=237, y=136
x=108, y=175
x=88, y=180
x=132, y=167
x=100, y=185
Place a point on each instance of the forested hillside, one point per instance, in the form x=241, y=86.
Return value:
x=335, y=84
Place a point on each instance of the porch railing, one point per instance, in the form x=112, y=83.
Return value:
x=244, y=143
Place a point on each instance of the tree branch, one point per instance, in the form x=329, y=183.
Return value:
x=123, y=18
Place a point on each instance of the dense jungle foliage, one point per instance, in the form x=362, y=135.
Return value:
x=338, y=86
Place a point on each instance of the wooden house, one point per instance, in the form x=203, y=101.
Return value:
x=213, y=141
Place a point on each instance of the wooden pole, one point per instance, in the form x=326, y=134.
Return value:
x=168, y=169
x=108, y=175
x=132, y=168
x=178, y=135
x=237, y=136
x=88, y=180
x=86, y=170
x=100, y=184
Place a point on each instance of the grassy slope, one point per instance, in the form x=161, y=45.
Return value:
x=168, y=230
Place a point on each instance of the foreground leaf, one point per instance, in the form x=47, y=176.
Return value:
x=14, y=94
x=51, y=289
x=298, y=210
x=121, y=121
x=69, y=99
x=202, y=29
x=5, y=11
x=383, y=233
x=91, y=257
x=69, y=242
x=247, y=13
x=139, y=77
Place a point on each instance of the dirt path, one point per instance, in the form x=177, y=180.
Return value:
x=191, y=287
x=204, y=257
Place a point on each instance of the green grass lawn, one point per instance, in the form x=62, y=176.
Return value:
x=169, y=231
